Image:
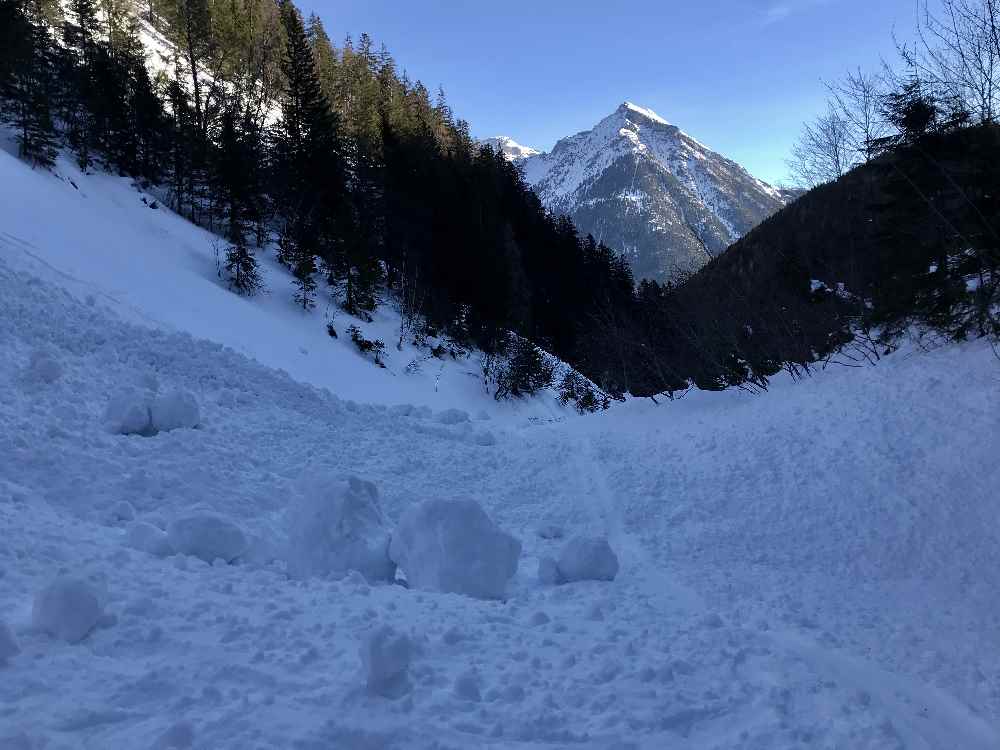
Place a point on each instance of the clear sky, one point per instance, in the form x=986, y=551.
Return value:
x=739, y=75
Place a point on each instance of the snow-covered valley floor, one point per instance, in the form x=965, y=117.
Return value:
x=817, y=567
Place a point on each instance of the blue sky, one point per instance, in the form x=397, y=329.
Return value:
x=739, y=75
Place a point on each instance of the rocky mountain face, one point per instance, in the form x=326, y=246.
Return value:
x=510, y=148
x=648, y=189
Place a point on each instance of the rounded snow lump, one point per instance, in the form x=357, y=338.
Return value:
x=338, y=526
x=128, y=413
x=453, y=416
x=207, y=537
x=147, y=538
x=452, y=546
x=386, y=657
x=587, y=559
x=68, y=609
x=8, y=643
x=43, y=367
x=174, y=410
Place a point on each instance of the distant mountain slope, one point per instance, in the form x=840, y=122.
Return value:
x=650, y=190
x=511, y=148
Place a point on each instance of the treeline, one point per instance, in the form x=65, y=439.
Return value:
x=258, y=126
x=901, y=232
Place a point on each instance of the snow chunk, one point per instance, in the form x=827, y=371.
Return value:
x=587, y=559
x=453, y=416
x=207, y=537
x=174, y=410
x=128, y=413
x=43, y=367
x=123, y=511
x=452, y=546
x=8, y=643
x=484, y=438
x=386, y=657
x=68, y=609
x=548, y=571
x=338, y=526
x=467, y=686
x=147, y=538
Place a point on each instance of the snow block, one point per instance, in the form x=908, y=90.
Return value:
x=67, y=609
x=452, y=546
x=338, y=526
x=453, y=416
x=548, y=571
x=386, y=657
x=174, y=410
x=587, y=559
x=147, y=538
x=8, y=643
x=128, y=413
x=43, y=368
x=207, y=537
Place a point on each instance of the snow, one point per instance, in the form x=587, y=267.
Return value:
x=127, y=413
x=337, y=526
x=67, y=609
x=9, y=647
x=816, y=566
x=587, y=559
x=207, y=536
x=174, y=410
x=513, y=150
x=147, y=538
x=452, y=546
x=386, y=656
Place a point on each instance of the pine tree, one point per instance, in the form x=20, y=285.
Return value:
x=305, y=281
x=233, y=186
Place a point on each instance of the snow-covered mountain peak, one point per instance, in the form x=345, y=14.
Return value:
x=511, y=148
x=650, y=190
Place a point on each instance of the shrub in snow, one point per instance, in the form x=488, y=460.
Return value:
x=8, y=643
x=452, y=546
x=68, y=609
x=147, y=538
x=207, y=537
x=174, y=410
x=338, y=526
x=128, y=413
x=587, y=559
x=43, y=368
x=453, y=416
x=386, y=657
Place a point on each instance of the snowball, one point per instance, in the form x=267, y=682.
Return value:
x=68, y=609
x=452, y=546
x=128, y=413
x=386, y=657
x=338, y=526
x=548, y=571
x=8, y=643
x=147, y=538
x=43, y=367
x=484, y=438
x=174, y=410
x=453, y=416
x=207, y=537
x=587, y=559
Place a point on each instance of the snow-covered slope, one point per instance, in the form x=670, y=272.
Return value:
x=511, y=148
x=98, y=235
x=814, y=567
x=648, y=189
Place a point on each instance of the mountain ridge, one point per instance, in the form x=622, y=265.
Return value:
x=648, y=189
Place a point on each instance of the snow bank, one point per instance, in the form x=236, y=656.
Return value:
x=338, y=526
x=386, y=656
x=8, y=643
x=174, y=410
x=147, y=538
x=587, y=559
x=68, y=609
x=208, y=537
x=452, y=546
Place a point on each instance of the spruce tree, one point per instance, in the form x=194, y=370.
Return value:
x=233, y=186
